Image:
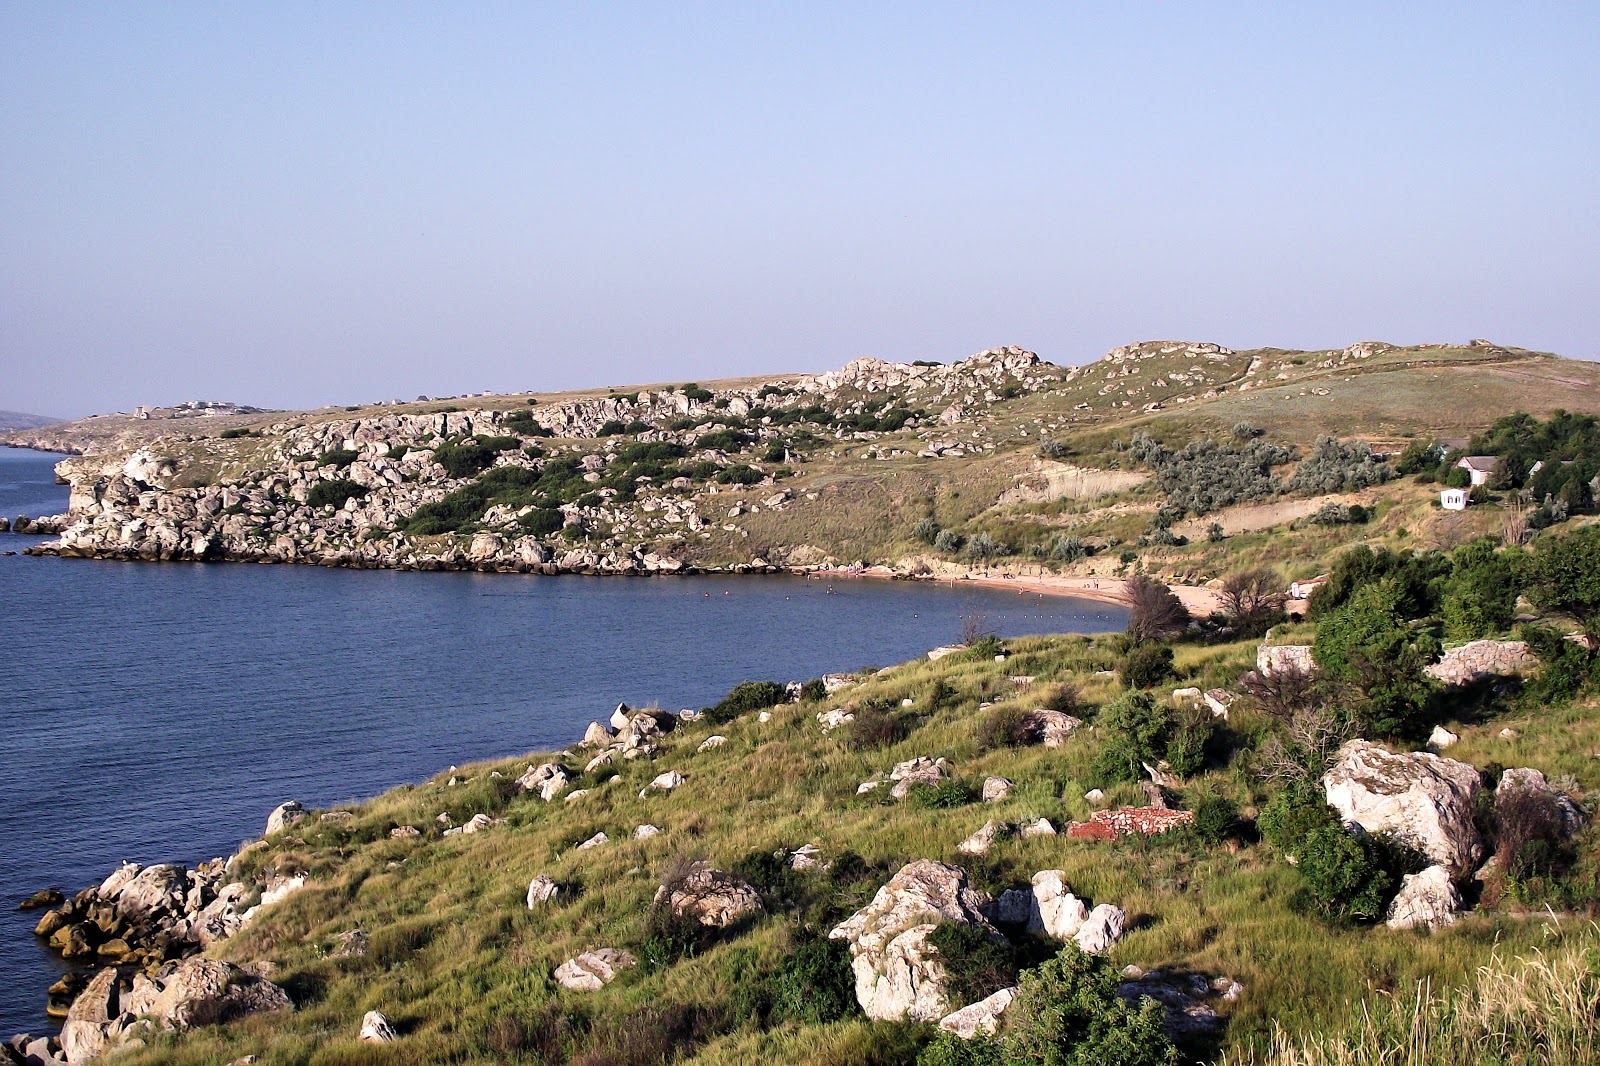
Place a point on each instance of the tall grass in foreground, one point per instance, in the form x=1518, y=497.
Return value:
x=1541, y=1010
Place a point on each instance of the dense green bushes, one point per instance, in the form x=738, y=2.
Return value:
x=746, y=696
x=333, y=493
x=1067, y=1013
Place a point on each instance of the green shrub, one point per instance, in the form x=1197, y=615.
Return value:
x=1345, y=873
x=542, y=521
x=234, y=434
x=1186, y=750
x=338, y=457
x=976, y=963
x=1146, y=666
x=946, y=795
x=333, y=493
x=948, y=1049
x=740, y=474
x=814, y=691
x=1134, y=731
x=398, y=452
x=465, y=459
x=1293, y=813
x=1001, y=727
x=815, y=985
x=1067, y=1013
x=876, y=726
x=1215, y=819
x=927, y=531
x=947, y=541
x=745, y=697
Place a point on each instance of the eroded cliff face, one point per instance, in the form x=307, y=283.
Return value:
x=612, y=484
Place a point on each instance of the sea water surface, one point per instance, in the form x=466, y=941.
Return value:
x=157, y=712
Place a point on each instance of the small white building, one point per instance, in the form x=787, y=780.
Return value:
x=1454, y=499
x=1478, y=467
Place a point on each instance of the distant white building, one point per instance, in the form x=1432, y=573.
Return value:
x=1478, y=467
x=1454, y=499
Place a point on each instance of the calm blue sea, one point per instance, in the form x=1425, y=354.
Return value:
x=158, y=712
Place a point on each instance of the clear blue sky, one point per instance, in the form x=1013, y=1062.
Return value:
x=296, y=204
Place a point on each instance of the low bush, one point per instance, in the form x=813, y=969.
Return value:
x=1216, y=818
x=1068, y=1013
x=946, y=795
x=338, y=457
x=1146, y=666
x=815, y=985
x=976, y=964
x=745, y=697
x=876, y=726
x=333, y=493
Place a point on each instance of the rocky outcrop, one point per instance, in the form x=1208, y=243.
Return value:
x=283, y=816
x=593, y=970
x=150, y=914
x=1428, y=899
x=711, y=897
x=549, y=780
x=996, y=789
x=377, y=1029
x=1102, y=929
x=981, y=841
x=1481, y=660
x=1188, y=1000
x=541, y=890
x=913, y=772
x=179, y=996
x=1050, y=728
x=1423, y=800
x=897, y=971
x=1047, y=908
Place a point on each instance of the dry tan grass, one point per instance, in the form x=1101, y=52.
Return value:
x=1538, y=1009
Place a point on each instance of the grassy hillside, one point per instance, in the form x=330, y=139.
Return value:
x=463, y=967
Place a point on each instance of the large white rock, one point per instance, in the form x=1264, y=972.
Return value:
x=542, y=889
x=662, y=783
x=980, y=1017
x=593, y=970
x=1428, y=899
x=1482, y=659
x=980, y=842
x=1056, y=912
x=283, y=816
x=898, y=973
x=1423, y=800
x=1101, y=929
x=375, y=1029
x=1284, y=658
x=996, y=789
x=1047, y=727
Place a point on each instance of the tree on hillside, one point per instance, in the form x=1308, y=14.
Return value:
x=1564, y=576
x=1252, y=597
x=1480, y=598
x=1156, y=612
x=1369, y=643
